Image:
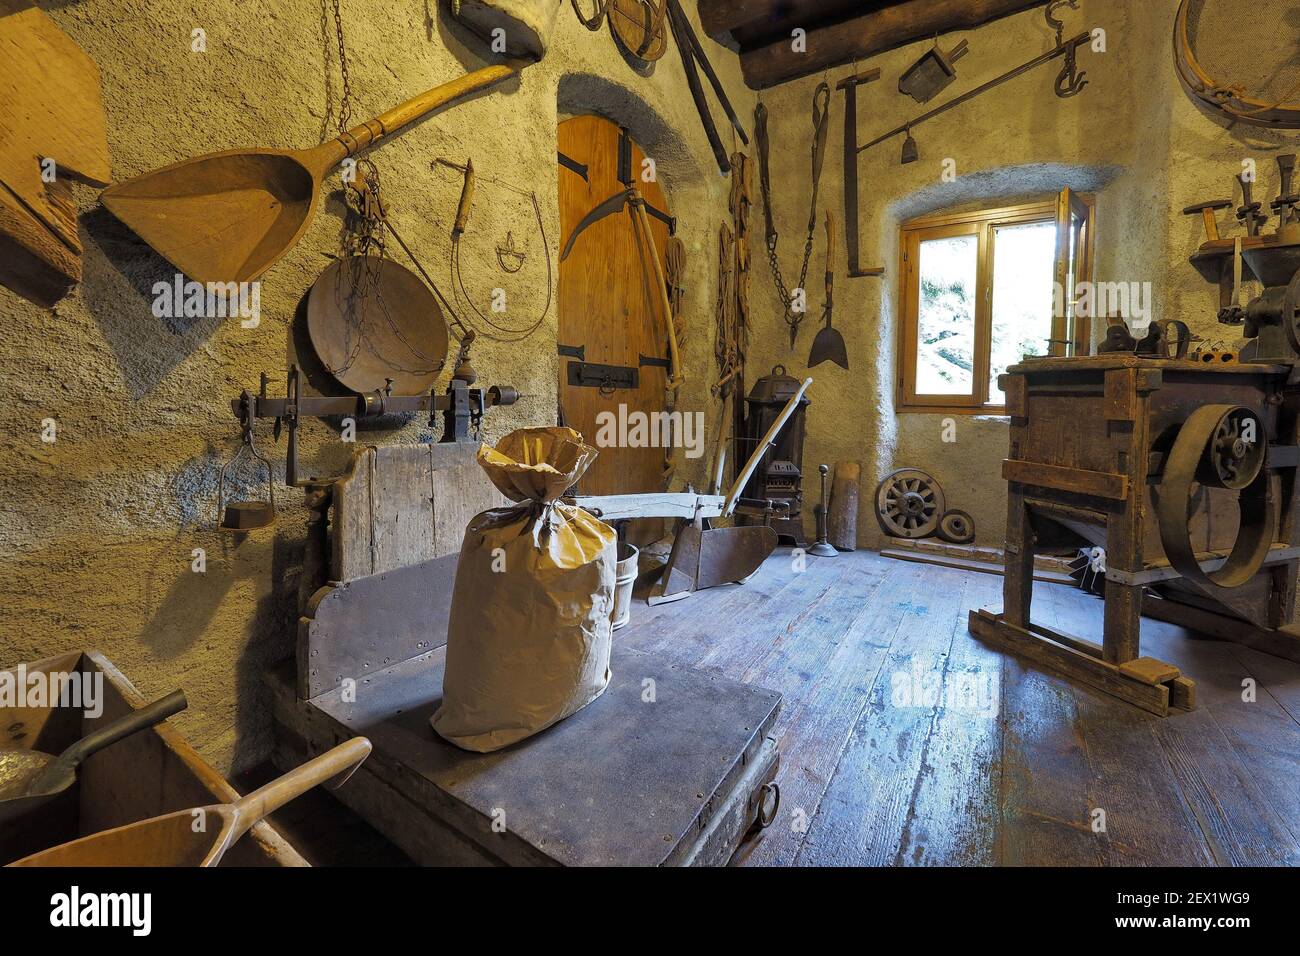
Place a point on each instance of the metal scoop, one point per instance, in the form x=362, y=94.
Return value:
x=29, y=778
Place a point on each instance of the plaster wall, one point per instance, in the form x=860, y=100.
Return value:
x=97, y=530
x=1131, y=137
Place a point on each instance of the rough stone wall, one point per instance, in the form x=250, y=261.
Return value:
x=1132, y=137
x=97, y=529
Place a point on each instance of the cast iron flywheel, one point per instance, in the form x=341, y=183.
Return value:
x=909, y=504
x=1219, y=446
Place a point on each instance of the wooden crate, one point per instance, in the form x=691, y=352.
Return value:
x=147, y=774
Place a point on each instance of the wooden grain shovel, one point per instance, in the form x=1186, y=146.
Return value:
x=201, y=837
x=230, y=216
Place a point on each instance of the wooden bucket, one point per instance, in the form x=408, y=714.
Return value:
x=625, y=578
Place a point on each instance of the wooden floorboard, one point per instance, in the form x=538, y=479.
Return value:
x=917, y=779
x=871, y=777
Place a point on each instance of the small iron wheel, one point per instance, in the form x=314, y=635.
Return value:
x=957, y=527
x=1235, y=453
x=909, y=504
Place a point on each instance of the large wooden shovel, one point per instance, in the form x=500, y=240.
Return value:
x=230, y=216
x=201, y=837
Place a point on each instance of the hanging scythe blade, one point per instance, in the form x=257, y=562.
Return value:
x=613, y=204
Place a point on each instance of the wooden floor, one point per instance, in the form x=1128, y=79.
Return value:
x=904, y=741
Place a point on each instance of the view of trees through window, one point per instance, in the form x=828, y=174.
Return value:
x=1021, y=306
x=945, y=341
x=1023, y=258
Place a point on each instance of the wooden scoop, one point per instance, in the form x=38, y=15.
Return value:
x=29, y=778
x=201, y=836
x=230, y=216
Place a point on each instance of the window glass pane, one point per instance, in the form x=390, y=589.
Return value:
x=1024, y=257
x=945, y=335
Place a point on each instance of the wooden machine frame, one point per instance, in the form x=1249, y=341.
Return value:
x=1088, y=446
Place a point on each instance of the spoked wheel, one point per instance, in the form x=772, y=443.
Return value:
x=909, y=504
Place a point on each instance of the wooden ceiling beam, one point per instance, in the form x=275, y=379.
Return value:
x=837, y=43
x=767, y=19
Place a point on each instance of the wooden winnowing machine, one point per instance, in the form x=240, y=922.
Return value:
x=1181, y=467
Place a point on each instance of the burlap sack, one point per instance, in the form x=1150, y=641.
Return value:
x=529, y=636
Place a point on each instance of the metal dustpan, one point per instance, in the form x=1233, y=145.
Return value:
x=29, y=778
x=931, y=73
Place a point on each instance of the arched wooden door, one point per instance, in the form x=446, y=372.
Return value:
x=609, y=334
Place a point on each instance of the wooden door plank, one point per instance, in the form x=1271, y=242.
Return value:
x=603, y=305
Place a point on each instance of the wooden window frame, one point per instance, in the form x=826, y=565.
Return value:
x=983, y=224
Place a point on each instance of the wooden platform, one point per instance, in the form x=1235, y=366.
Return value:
x=664, y=768
x=871, y=777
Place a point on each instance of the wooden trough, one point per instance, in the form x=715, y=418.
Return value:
x=149, y=773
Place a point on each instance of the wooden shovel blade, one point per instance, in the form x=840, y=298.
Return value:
x=223, y=217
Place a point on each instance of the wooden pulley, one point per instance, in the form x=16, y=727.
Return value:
x=957, y=527
x=638, y=26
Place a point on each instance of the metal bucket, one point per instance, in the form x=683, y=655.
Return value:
x=625, y=578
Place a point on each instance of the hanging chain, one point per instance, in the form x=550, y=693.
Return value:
x=345, y=108
x=820, y=118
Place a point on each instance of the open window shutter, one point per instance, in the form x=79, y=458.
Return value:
x=1070, y=332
